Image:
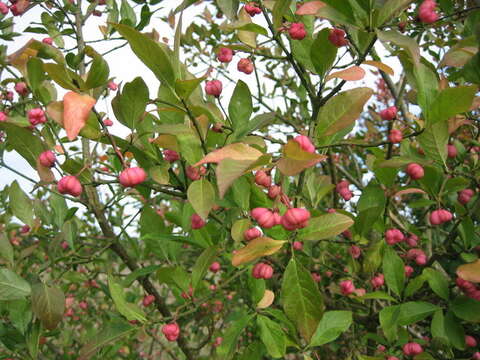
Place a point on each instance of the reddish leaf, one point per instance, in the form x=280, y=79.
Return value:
x=310, y=8
x=295, y=160
x=353, y=73
x=381, y=66
x=409, y=191
x=76, y=109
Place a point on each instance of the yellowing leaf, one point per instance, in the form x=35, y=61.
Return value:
x=262, y=246
x=76, y=109
x=267, y=300
x=201, y=195
x=247, y=37
x=381, y=66
x=326, y=226
x=45, y=173
x=167, y=142
x=470, y=272
x=353, y=73
x=295, y=159
x=237, y=151
x=310, y=8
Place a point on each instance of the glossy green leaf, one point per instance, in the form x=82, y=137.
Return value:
x=278, y=12
x=466, y=309
x=129, y=106
x=129, y=310
x=227, y=349
x=371, y=207
x=20, y=204
x=323, y=52
x=98, y=73
x=229, y=7
x=301, y=299
x=438, y=282
x=434, y=141
x=325, y=226
x=202, y=264
x=240, y=106
x=24, y=142
x=332, y=325
x=442, y=108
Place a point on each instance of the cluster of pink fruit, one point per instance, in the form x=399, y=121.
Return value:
x=343, y=190
x=469, y=288
x=427, y=13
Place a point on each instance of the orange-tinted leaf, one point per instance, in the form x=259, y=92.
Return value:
x=381, y=66
x=295, y=159
x=267, y=300
x=470, y=272
x=409, y=191
x=455, y=122
x=237, y=151
x=255, y=249
x=353, y=73
x=310, y=8
x=55, y=111
x=76, y=109
x=167, y=142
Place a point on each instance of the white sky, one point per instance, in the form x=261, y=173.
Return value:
x=124, y=66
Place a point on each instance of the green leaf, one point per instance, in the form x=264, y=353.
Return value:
x=301, y=299
x=414, y=285
x=371, y=207
x=175, y=276
x=393, y=269
x=388, y=321
x=438, y=326
x=12, y=286
x=341, y=111
x=325, y=226
x=454, y=331
x=48, y=305
x=279, y=9
x=36, y=74
x=113, y=331
x=20, y=204
x=415, y=311
x=332, y=325
x=378, y=295
x=151, y=53
x=434, y=141
x=129, y=310
x=466, y=309
x=245, y=128
x=229, y=8
x=438, y=282
x=227, y=350
x=127, y=14
x=202, y=264
x=323, y=52
x=240, y=106
x=201, y=196
x=99, y=71
x=134, y=275
x=130, y=105
x=442, y=108
x=272, y=336
x=389, y=10
x=184, y=88
x=20, y=314
x=402, y=41
x=24, y=142
x=6, y=248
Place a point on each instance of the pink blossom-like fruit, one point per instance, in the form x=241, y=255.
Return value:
x=36, y=116
x=3, y=116
x=195, y=173
x=225, y=55
x=451, y=151
x=213, y=87
x=378, y=281
x=3, y=8
x=295, y=218
x=107, y=122
x=305, y=143
x=47, y=40
x=274, y=191
x=83, y=305
x=171, y=331
x=470, y=341
x=112, y=86
x=47, y=158
x=245, y=65
x=251, y=234
x=415, y=171
x=412, y=349
x=265, y=217
x=408, y=271
x=21, y=88
x=297, y=31
x=316, y=277
x=476, y=356
x=440, y=216
x=427, y=13
x=465, y=195
x=69, y=185
x=355, y=251
x=215, y=267
x=412, y=240
x=389, y=113
x=170, y=155
x=393, y=236
x=395, y=136
x=132, y=176
x=347, y=287
x=337, y=37
x=297, y=245
x=197, y=222
x=262, y=179
x=218, y=341
x=262, y=271
x=252, y=9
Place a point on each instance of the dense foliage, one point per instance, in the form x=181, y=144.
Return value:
x=264, y=202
